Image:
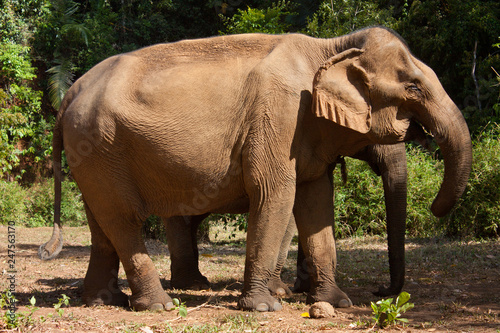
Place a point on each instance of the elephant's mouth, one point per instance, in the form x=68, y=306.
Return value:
x=417, y=133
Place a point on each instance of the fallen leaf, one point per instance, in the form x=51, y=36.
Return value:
x=305, y=314
x=207, y=255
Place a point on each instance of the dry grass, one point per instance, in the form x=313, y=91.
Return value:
x=455, y=287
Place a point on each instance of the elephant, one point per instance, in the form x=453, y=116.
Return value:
x=387, y=161
x=233, y=124
x=181, y=234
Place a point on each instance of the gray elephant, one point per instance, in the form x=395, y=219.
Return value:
x=387, y=161
x=242, y=123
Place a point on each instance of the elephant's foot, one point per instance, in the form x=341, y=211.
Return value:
x=258, y=302
x=105, y=297
x=197, y=282
x=302, y=285
x=391, y=290
x=154, y=301
x=278, y=288
x=332, y=295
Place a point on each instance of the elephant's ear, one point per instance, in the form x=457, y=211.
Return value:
x=341, y=92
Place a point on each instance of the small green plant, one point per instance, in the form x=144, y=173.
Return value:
x=386, y=313
x=180, y=307
x=64, y=300
x=27, y=317
x=10, y=317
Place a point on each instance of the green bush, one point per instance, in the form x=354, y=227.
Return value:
x=11, y=202
x=360, y=206
x=425, y=175
x=34, y=206
x=340, y=17
x=478, y=212
x=25, y=133
x=271, y=20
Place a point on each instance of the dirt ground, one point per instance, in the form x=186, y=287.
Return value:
x=454, y=285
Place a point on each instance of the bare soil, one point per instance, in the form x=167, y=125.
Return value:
x=455, y=286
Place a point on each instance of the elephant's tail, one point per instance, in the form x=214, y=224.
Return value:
x=52, y=248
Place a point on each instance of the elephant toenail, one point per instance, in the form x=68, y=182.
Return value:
x=277, y=306
x=169, y=306
x=345, y=303
x=280, y=292
x=156, y=307
x=262, y=307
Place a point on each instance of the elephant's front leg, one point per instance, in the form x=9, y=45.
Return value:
x=268, y=221
x=314, y=215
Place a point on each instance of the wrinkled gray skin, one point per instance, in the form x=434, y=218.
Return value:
x=387, y=161
x=241, y=123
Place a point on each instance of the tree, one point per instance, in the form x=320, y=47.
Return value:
x=340, y=17
x=24, y=131
x=452, y=35
x=271, y=20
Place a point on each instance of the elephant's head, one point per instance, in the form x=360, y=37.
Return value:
x=377, y=88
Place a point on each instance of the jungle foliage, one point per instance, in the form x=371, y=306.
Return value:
x=45, y=45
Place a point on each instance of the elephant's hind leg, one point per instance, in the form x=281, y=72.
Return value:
x=181, y=232
x=101, y=281
x=143, y=279
x=275, y=285
x=122, y=229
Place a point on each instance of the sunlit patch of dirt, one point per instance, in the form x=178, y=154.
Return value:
x=455, y=286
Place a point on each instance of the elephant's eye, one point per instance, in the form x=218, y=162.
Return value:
x=414, y=89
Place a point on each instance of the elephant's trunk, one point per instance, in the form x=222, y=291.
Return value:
x=452, y=135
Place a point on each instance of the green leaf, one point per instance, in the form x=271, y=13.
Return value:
x=402, y=299
x=60, y=80
x=32, y=301
x=182, y=311
x=407, y=307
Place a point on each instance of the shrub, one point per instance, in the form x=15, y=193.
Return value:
x=425, y=175
x=270, y=20
x=11, y=202
x=478, y=211
x=33, y=206
x=359, y=204
x=24, y=131
x=360, y=207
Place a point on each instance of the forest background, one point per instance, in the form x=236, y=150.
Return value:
x=45, y=45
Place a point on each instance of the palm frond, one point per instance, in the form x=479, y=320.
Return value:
x=60, y=79
x=78, y=30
